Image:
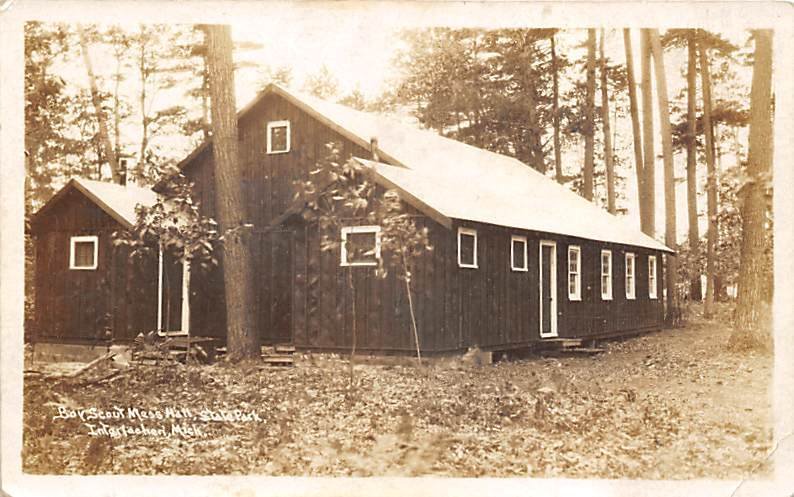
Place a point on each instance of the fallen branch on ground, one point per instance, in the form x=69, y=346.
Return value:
x=90, y=365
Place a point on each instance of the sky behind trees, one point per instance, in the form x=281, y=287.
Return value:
x=360, y=56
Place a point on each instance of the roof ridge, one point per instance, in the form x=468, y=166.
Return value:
x=517, y=192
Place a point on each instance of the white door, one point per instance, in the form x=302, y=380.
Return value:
x=547, y=285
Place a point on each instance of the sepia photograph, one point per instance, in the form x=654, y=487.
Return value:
x=317, y=242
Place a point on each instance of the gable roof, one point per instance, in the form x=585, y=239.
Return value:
x=512, y=204
x=461, y=181
x=118, y=201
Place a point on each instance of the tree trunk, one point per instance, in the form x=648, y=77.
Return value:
x=695, y=291
x=105, y=146
x=536, y=159
x=117, y=109
x=140, y=173
x=753, y=205
x=242, y=336
x=636, y=132
x=205, y=101
x=711, y=187
x=606, y=129
x=720, y=291
x=589, y=125
x=555, y=117
x=649, y=160
x=669, y=176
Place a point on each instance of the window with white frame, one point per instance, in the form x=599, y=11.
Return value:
x=574, y=272
x=606, y=275
x=83, y=252
x=518, y=253
x=278, y=137
x=467, y=247
x=360, y=246
x=652, y=276
x=630, y=278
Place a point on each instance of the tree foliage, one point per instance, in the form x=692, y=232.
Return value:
x=496, y=89
x=173, y=224
x=322, y=84
x=52, y=147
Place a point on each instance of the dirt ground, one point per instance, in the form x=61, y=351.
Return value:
x=669, y=405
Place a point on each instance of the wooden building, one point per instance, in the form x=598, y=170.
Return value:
x=517, y=257
x=87, y=290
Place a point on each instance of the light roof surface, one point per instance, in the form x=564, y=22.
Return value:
x=469, y=183
x=121, y=200
x=118, y=201
x=465, y=182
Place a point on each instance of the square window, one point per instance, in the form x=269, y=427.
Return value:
x=278, y=137
x=606, y=275
x=83, y=252
x=467, y=247
x=360, y=246
x=574, y=274
x=518, y=253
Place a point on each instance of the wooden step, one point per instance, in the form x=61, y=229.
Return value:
x=285, y=349
x=278, y=360
x=561, y=342
x=575, y=351
x=585, y=350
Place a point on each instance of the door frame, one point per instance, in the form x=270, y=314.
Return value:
x=552, y=286
x=184, y=319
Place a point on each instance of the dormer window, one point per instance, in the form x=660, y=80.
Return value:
x=83, y=252
x=278, y=137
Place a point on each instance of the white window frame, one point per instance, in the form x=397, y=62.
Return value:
x=523, y=240
x=631, y=285
x=277, y=124
x=469, y=232
x=359, y=229
x=605, y=295
x=578, y=294
x=652, y=275
x=73, y=241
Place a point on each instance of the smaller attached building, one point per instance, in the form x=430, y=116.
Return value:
x=87, y=290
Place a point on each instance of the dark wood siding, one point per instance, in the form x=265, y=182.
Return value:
x=499, y=307
x=268, y=181
x=302, y=293
x=116, y=301
x=322, y=310
x=268, y=187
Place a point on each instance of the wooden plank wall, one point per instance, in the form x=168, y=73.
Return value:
x=117, y=300
x=268, y=181
x=323, y=301
x=494, y=306
x=456, y=307
x=268, y=186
